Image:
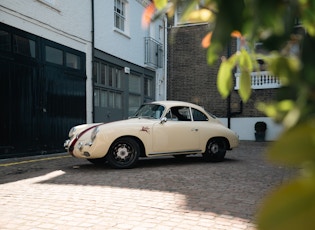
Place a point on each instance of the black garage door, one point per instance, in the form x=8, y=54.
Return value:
x=43, y=93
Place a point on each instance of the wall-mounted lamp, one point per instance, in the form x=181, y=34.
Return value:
x=127, y=70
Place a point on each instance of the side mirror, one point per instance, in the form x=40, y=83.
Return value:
x=163, y=120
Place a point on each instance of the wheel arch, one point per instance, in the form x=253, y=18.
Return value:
x=226, y=141
x=139, y=141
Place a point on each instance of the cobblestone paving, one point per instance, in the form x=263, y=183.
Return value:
x=60, y=192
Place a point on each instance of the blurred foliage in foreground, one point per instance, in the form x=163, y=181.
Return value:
x=290, y=55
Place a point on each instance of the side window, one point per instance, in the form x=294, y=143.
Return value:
x=170, y=116
x=199, y=116
x=179, y=113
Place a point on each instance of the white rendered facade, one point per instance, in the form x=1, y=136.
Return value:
x=77, y=25
x=65, y=22
x=129, y=44
x=135, y=55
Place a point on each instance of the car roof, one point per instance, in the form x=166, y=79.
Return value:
x=171, y=103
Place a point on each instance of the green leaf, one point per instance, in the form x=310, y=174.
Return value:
x=224, y=80
x=245, y=86
x=286, y=68
x=245, y=62
x=295, y=146
x=291, y=207
x=280, y=111
x=213, y=52
x=160, y=4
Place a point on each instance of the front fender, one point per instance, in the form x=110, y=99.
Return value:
x=98, y=148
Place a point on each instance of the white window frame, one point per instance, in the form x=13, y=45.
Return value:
x=178, y=14
x=120, y=12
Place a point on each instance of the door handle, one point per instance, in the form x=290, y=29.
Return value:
x=194, y=129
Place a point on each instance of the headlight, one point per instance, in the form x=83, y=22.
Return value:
x=71, y=132
x=94, y=133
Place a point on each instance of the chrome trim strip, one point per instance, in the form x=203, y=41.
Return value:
x=176, y=153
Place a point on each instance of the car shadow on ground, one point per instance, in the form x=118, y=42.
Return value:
x=222, y=188
x=232, y=187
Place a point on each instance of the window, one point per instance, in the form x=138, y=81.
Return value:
x=150, y=111
x=183, y=4
x=5, y=43
x=199, y=116
x=73, y=61
x=95, y=71
x=96, y=97
x=134, y=84
x=24, y=46
x=103, y=99
x=153, y=53
x=120, y=14
x=54, y=55
x=134, y=104
x=114, y=100
x=118, y=74
x=114, y=77
x=179, y=113
x=148, y=87
x=102, y=76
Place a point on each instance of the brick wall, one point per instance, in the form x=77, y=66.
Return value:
x=191, y=79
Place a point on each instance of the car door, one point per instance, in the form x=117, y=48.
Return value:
x=177, y=135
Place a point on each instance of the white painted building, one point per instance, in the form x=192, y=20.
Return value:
x=113, y=28
x=130, y=61
x=65, y=22
x=66, y=62
x=46, y=72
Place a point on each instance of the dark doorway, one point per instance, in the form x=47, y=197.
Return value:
x=43, y=94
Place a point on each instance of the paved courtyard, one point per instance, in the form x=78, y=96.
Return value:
x=60, y=192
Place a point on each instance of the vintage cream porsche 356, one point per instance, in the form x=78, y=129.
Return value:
x=161, y=128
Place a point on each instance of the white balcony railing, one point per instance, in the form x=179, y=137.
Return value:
x=153, y=53
x=260, y=80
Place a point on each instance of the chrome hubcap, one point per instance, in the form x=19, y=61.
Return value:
x=214, y=148
x=122, y=153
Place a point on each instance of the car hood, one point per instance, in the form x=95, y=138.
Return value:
x=131, y=121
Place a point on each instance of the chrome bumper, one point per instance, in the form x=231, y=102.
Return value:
x=66, y=144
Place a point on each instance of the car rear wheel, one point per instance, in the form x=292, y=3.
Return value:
x=124, y=153
x=215, y=150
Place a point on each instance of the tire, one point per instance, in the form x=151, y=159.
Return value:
x=215, y=150
x=98, y=161
x=124, y=153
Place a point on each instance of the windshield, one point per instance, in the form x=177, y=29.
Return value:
x=151, y=111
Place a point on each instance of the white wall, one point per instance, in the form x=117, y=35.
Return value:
x=129, y=45
x=246, y=131
x=66, y=22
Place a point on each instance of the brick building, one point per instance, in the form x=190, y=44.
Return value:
x=191, y=79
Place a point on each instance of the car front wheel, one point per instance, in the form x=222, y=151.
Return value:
x=124, y=153
x=215, y=150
